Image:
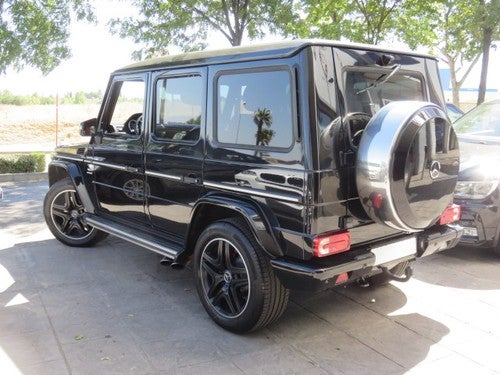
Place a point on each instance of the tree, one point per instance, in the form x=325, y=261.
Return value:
x=161, y=24
x=371, y=20
x=36, y=33
x=459, y=31
x=263, y=117
x=488, y=20
x=454, y=31
x=363, y=21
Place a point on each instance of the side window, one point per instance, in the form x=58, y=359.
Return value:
x=178, y=108
x=124, y=113
x=255, y=109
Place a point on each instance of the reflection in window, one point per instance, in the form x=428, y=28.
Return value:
x=482, y=121
x=178, y=108
x=254, y=109
x=368, y=91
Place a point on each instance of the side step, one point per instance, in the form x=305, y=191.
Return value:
x=154, y=243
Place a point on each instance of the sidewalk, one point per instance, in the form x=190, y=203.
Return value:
x=114, y=309
x=23, y=177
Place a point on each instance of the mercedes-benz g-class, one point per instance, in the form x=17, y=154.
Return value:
x=294, y=165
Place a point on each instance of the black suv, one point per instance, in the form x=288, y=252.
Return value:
x=295, y=165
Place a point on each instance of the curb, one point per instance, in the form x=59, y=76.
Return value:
x=24, y=177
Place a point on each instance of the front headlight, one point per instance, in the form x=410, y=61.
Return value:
x=474, y=189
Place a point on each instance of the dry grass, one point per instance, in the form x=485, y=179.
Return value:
x=34, y=126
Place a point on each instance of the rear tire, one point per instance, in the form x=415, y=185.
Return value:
x=63, y=211
x=235, y=280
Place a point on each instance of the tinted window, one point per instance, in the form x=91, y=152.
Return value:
x=178, y=108
x=255, y=109
x=369, y=90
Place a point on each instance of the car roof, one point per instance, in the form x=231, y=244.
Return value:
x=248, y=53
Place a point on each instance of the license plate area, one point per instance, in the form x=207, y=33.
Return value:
x=395, y=250
x=470, y=232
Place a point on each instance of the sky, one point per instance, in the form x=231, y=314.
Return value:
x=96, y=53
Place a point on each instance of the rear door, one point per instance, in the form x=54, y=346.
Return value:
x=174, y=153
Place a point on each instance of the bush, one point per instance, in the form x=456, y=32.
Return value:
x=80, y=97
x=22, y=163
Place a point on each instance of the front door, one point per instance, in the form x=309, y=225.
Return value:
x=118, y=174
x=174, y=153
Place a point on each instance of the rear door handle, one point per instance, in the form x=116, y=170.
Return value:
x=132, y=169
x=191, y=179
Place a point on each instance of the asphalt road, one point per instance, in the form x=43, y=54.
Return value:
x=113, y=309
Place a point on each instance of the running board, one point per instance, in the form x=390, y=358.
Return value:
x=148, y=241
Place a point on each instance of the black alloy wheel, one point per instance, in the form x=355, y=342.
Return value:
x=234, y=278
x=63, y=213
x=224, y=277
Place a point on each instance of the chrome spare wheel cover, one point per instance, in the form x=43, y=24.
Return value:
x=407, y=165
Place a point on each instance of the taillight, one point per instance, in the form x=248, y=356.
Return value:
x=451, y=214
x=331, y=244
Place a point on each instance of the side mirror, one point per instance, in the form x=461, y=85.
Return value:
x=88, y=127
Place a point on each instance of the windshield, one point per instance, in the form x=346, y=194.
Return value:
x=370, y=89
x=482, y=122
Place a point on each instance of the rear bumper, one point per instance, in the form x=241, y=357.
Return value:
x=319, y=274
x=441, y=238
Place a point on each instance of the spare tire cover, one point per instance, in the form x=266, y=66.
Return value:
x=407, y=165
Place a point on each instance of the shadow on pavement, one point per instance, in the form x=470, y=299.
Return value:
x=357, y=329
x=65, y=309
x=461, y=267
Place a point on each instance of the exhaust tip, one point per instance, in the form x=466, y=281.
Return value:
x=172, y=263
x=166, y=261
x=177, y=266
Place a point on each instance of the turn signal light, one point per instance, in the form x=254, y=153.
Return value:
x=331, y=244
x=451, y=214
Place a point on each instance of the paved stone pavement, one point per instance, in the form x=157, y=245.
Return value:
x=113, y=309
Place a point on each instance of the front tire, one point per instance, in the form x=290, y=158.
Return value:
x=234, y=278
x=63, y=213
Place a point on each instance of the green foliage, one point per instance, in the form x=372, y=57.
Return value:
x=162, y=24
x=7, y=97
x=35, y=33
x=363, y=21
x=454, y=29
x=80, y=97
x=39, y=161
x=459, y=31
x=22, y=163
x=194, y=121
